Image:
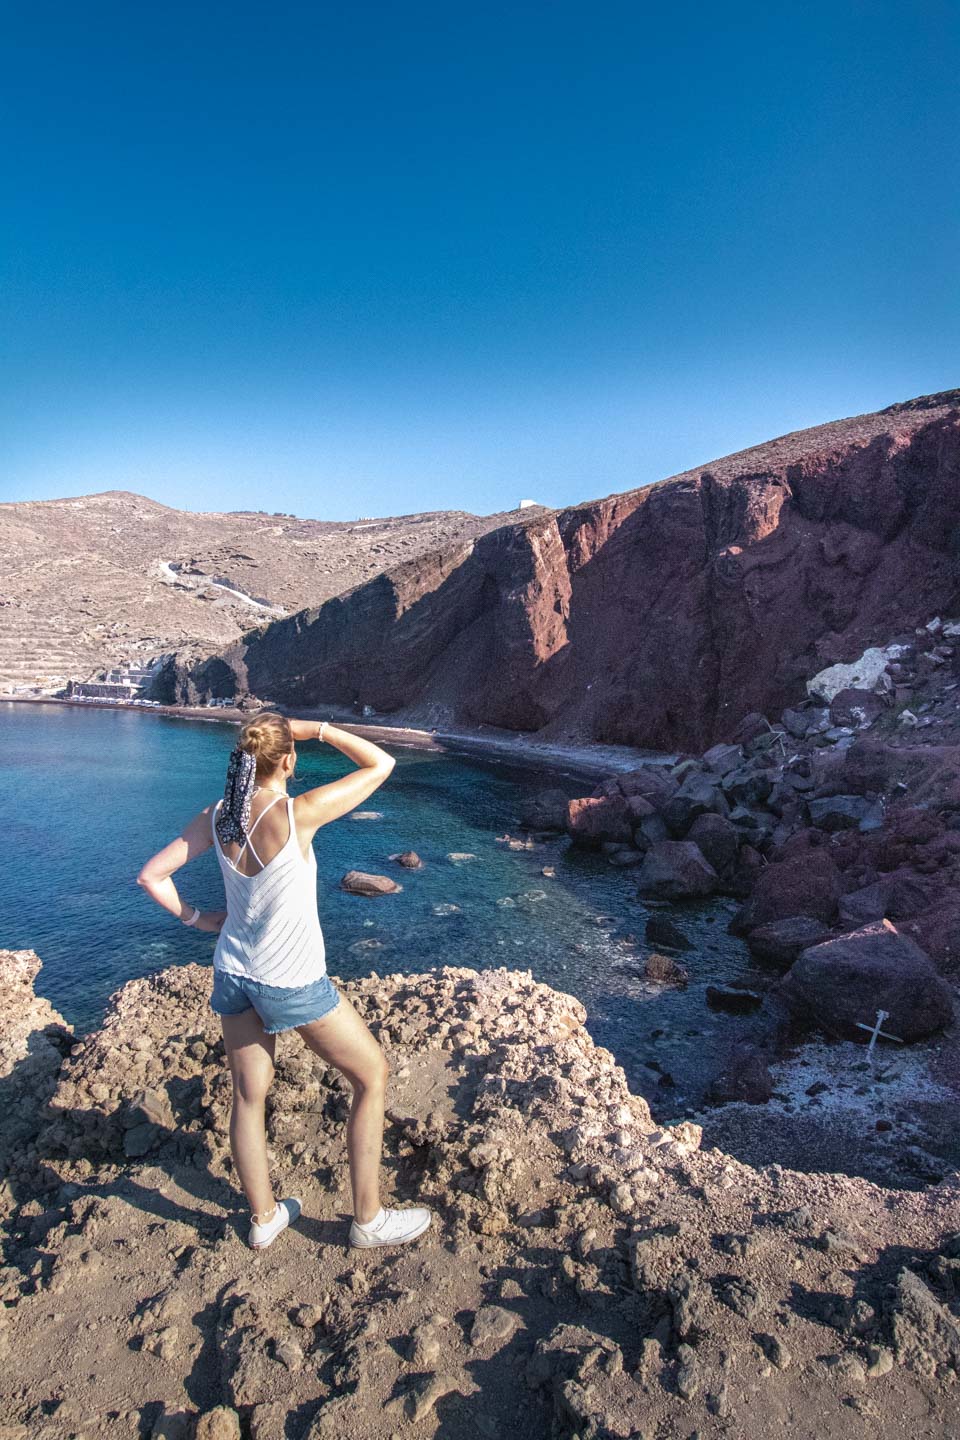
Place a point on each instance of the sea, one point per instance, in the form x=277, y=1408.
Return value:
x=89, y=794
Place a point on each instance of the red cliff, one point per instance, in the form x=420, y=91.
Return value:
x=657, y=617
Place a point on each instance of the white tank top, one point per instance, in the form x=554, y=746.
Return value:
x=272, y=931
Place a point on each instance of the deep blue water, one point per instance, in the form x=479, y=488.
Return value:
x=89, y=794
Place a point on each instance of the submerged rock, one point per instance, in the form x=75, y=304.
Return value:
x=360, y=882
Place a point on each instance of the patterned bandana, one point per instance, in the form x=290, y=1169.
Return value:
x=233, y=817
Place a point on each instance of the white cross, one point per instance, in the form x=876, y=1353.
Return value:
x=875, y=1031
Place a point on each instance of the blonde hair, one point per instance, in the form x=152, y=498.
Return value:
x=267, y=737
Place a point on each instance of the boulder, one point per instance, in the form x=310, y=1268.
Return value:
x=856, y=708
x=717, y=839
x=846, y=812
x=807, y=721
x=864, y=905
x=742, y=881
x=698, y=795
x=595, y=818
x=661, y=931
x=867, y=673
x=721, y=759
x=781, y=942
x=805, y=883
x=676, y=870
x=665, y=971
x=359, y=882
x=651, y=829
x=844, y=981
x=651, y=782
x=546, y=810
x=732, y=1000
x=866, y=767
x=750, y=785
x=409, y=859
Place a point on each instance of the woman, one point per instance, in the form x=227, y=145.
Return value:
x=269, y=969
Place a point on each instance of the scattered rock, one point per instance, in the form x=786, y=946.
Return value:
x=221, y=1423
x=359, y=882
x=409, y=859
x=782, y=941
x=665, y=971
x=492, y=1327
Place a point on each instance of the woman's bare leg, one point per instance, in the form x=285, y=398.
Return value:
x=343, y=1040
x=250, y=1052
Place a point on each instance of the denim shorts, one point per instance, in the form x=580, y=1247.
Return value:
x=280, y=1007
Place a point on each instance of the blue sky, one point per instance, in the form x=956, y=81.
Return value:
x=372, y=259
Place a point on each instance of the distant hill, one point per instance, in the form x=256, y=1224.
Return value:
x=92, y=580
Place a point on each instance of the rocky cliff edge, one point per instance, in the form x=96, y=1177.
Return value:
x=587, y=1275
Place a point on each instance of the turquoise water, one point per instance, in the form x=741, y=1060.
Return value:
x=89, y=794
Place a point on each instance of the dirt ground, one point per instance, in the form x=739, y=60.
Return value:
x=587, y=1273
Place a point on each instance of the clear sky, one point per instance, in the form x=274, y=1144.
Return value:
x=367, y=259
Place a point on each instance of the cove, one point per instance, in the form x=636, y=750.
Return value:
x=89, y=794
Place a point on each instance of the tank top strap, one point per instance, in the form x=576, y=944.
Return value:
x=261, y=815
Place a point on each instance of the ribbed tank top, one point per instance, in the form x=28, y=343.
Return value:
x=272, y=931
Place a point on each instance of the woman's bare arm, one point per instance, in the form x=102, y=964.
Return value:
x=155, y=875
x=328, y=802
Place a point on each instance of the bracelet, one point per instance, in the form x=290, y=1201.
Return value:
x=193, y=918
x=320, y=729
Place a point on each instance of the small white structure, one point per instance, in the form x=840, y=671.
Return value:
x=524, y=503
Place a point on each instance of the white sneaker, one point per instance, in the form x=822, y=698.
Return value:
x=390, y=1227
x=263, y=1235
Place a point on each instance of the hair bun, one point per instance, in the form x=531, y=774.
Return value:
x=252, y=739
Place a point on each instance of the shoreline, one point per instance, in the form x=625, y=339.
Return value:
x=588, y=759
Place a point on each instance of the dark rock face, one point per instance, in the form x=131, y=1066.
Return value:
x=843, y=982
x=747, y=574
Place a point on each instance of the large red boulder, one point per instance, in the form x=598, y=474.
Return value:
x=808, y=883
x=842, y=983
x=596, y=818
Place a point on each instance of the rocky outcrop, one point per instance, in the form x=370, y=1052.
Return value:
x=586, y=1271
x=658, y=617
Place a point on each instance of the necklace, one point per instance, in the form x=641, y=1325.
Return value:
x=272, y=788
